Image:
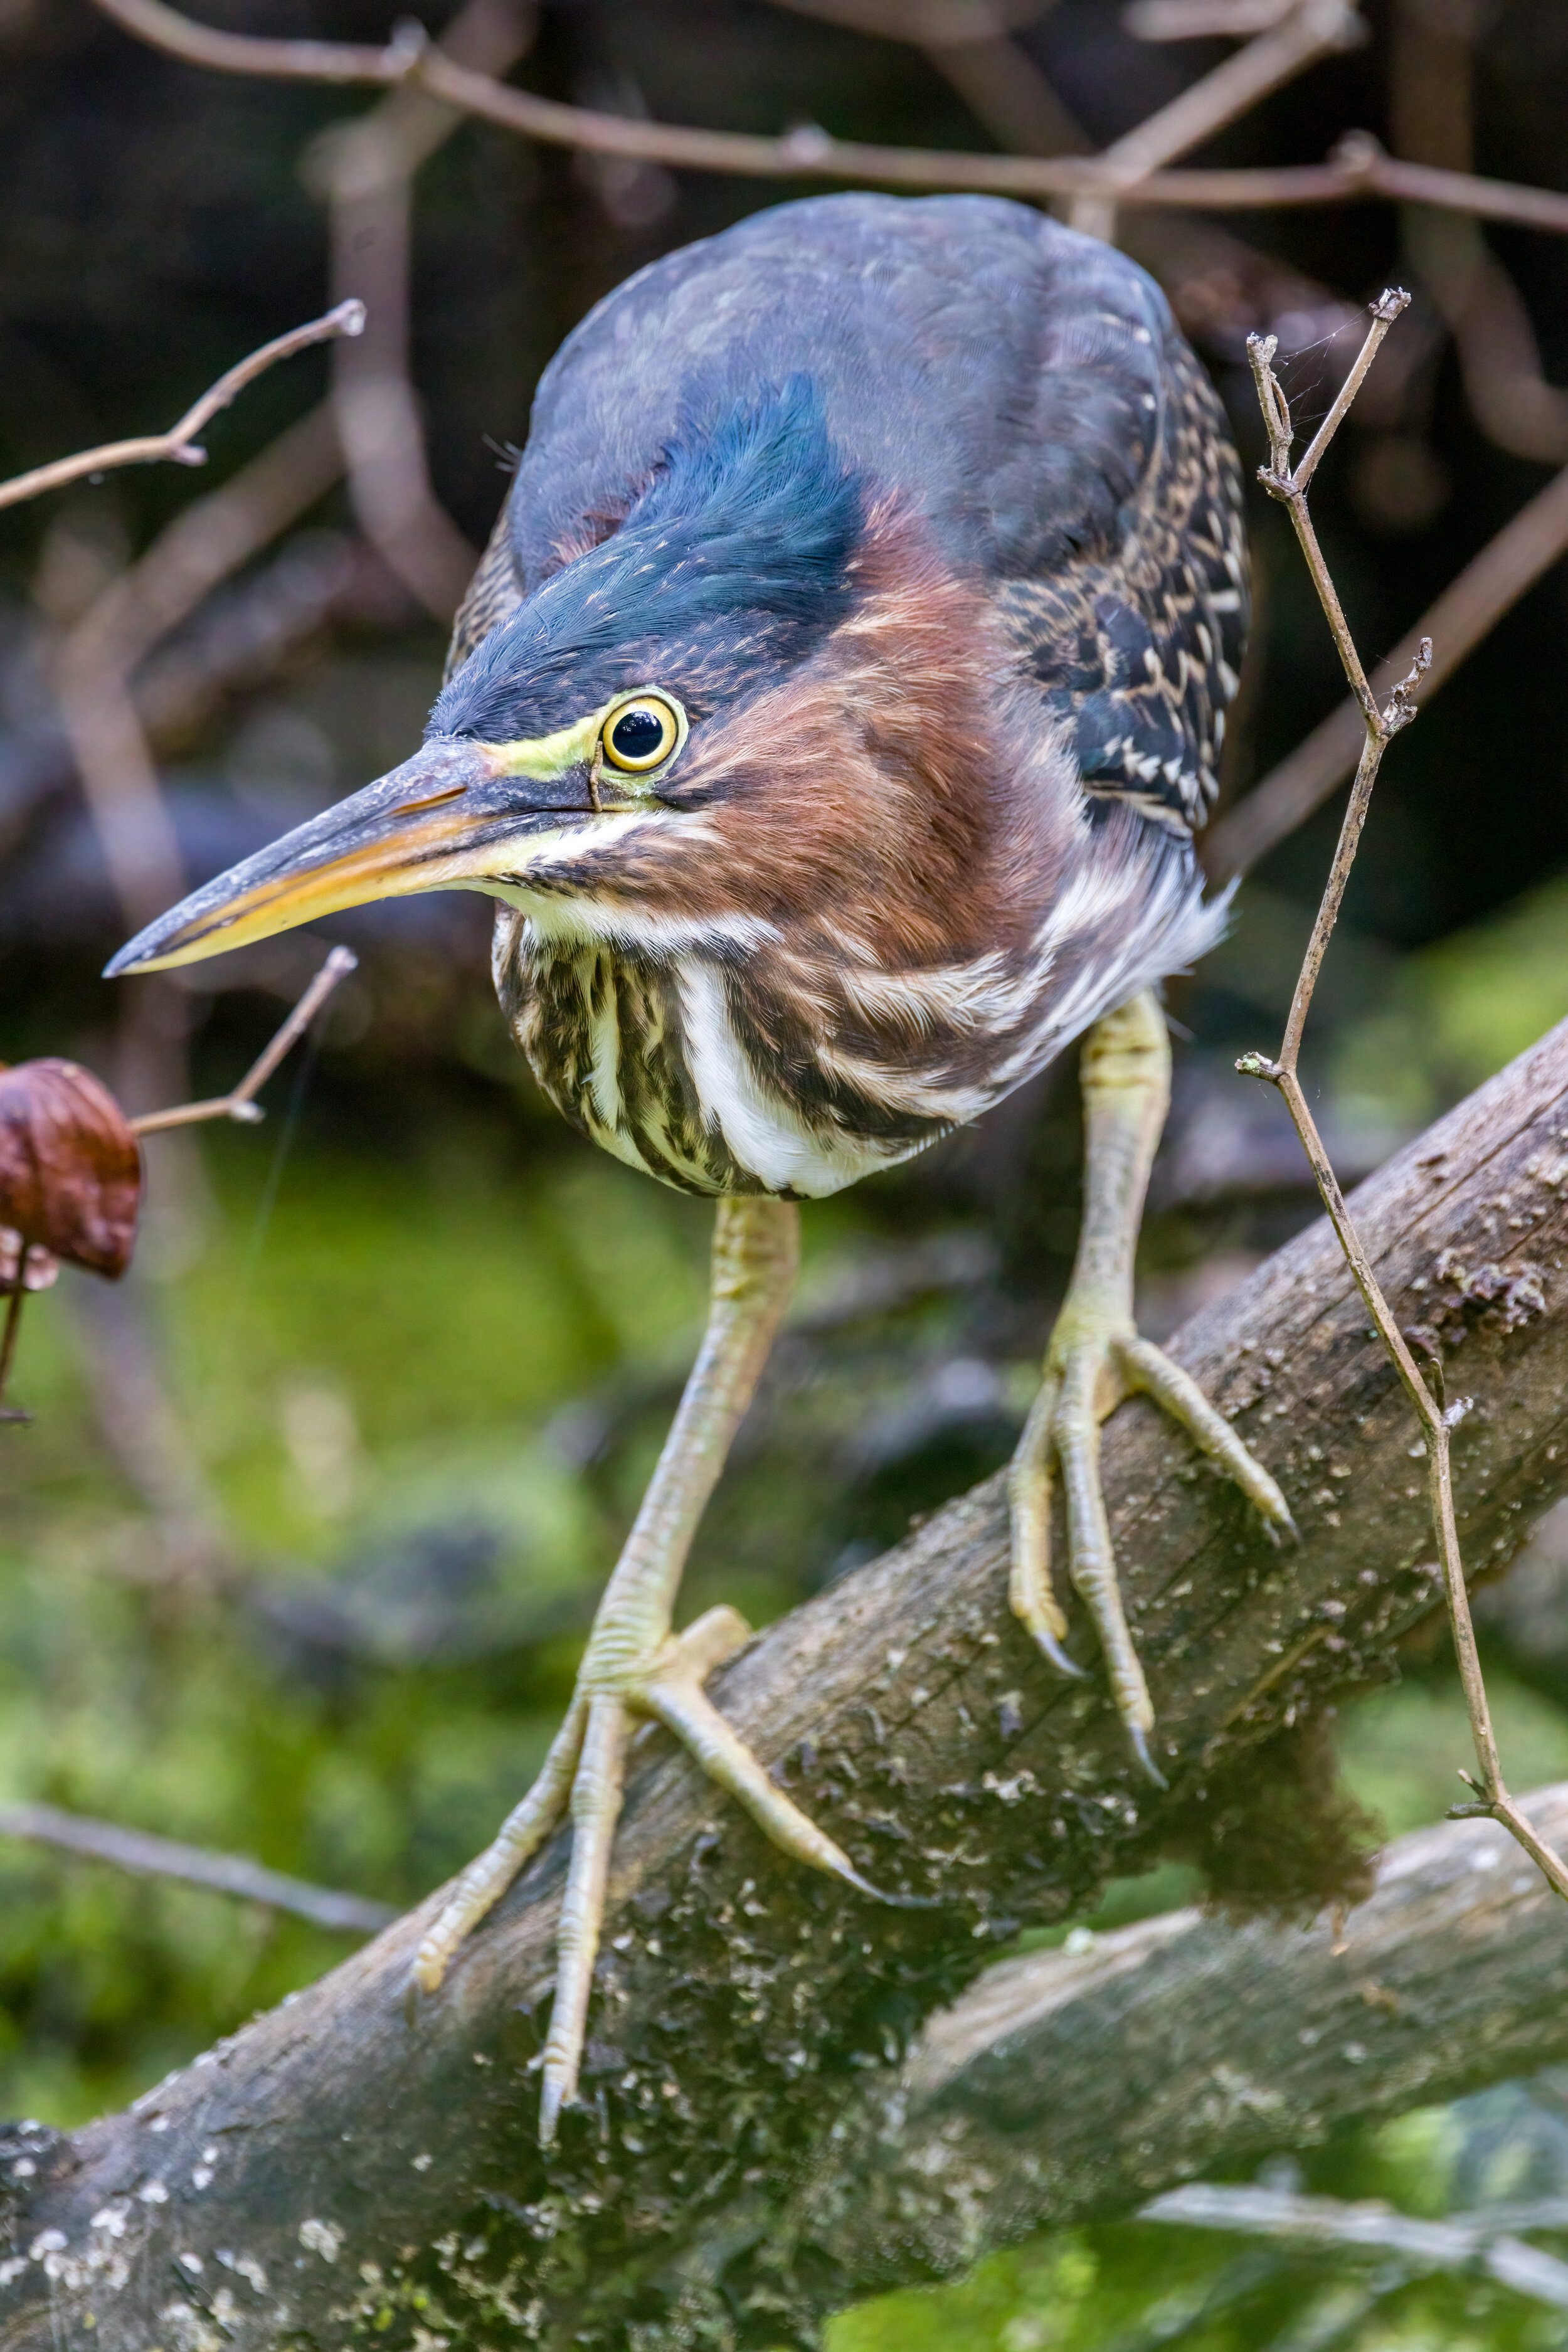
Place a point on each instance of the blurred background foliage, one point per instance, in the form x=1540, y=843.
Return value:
x=297, y=1555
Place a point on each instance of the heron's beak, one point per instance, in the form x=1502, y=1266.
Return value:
x=457, y=815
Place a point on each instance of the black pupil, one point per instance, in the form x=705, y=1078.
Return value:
x=638, y=733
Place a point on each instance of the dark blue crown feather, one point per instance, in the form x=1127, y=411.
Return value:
x=743, y=535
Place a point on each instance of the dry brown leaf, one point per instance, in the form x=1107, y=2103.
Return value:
x=70, y=1168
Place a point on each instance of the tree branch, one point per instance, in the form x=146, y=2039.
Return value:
x=1485, y=2240
x=741, y=2004
x=1470, y=605
x=1358, y=169
x=1064, y=2089
x=179, y=443
x=1305, y=32
x=223, y=1873
x=241, y=1104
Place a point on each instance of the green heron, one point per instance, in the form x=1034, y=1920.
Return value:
x=830, y=716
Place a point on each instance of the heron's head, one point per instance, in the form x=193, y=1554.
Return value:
x=759, y=691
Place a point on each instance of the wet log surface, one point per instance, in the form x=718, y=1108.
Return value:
x=339, y=2169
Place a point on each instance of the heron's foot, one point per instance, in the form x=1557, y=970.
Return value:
x=584, y=1775
x=1095, y=1359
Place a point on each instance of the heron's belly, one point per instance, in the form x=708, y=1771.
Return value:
x=795, y=1077
x=649, y=1061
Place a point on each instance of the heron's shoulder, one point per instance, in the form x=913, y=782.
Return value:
x=986, y=363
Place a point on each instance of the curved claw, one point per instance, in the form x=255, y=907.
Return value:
x=1050, y=1647
x=851, y=1877
x=1137, y=1741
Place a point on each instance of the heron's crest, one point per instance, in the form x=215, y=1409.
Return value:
x=739, y=544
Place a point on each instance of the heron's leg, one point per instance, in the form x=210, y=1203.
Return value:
x=1096, y=1358
x=634, y=1666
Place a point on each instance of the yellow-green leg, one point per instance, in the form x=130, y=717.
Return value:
x=1096, y=1358
x=634, y=1666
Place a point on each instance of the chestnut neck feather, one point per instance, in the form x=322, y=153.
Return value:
x=876, y=905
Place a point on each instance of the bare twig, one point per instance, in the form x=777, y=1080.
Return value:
x=9, y=1336
x=1358, y=169
x=365, y=169
x=1381, y=725
x=1463, y=614
x=1431, y=118
x=93, y=667
x=1193, y=20
x=1482, y=2241
x=932, y=23
x=179, y=443
x=226, y=1874
x=1359, y=154
x=241, y=1104
x=1290, y=489
x=1385, y=314
x=1308, y=31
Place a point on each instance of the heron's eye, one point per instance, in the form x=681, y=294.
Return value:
x=640, y=734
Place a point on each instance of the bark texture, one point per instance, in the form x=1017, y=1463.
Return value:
x=340, y=2169
x=1064, y=2089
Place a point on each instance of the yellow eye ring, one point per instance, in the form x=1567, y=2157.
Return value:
x=640, y=733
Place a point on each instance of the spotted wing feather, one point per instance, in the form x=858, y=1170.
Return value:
x=1137, y=636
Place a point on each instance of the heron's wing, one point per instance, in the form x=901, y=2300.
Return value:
x=1136, y=635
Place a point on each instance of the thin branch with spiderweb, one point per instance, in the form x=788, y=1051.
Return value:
x=1382, y=721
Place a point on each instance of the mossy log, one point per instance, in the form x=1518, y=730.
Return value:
x=342, y=2170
